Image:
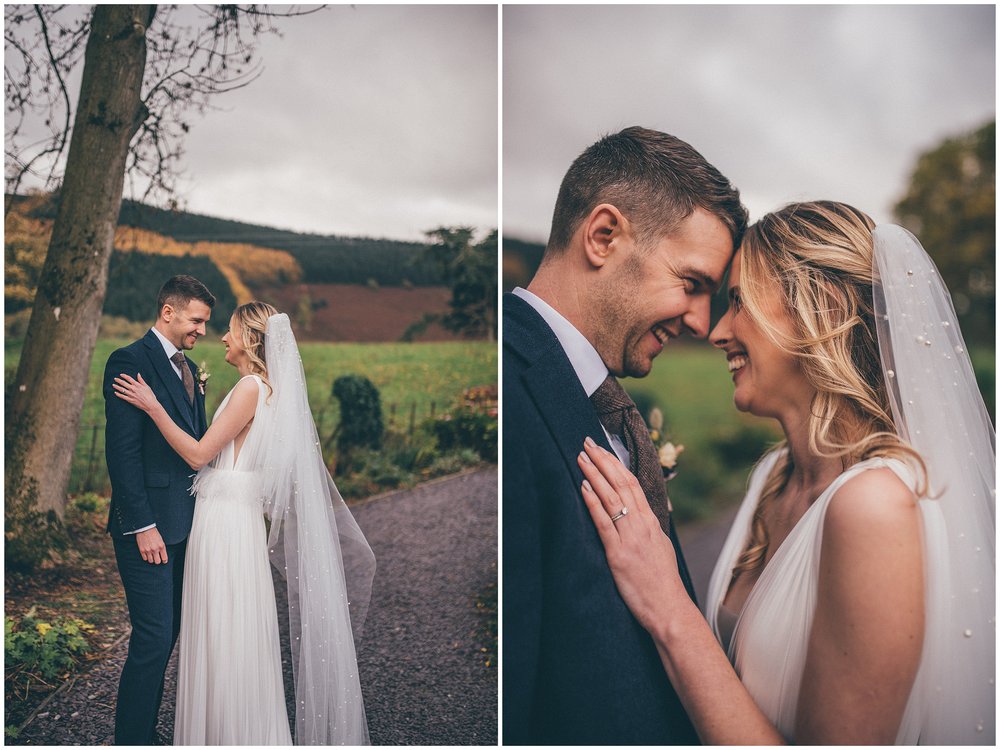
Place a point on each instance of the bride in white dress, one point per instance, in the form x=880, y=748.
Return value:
x=853, y=600
x=260, y=456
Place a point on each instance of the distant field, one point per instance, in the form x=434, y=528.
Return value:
x=354, y=312
x=408, y=376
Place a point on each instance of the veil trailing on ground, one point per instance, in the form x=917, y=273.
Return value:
x=938, y=409
x=317, y=546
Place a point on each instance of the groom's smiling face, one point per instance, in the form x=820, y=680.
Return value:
x=185, y=325
x=657, y=293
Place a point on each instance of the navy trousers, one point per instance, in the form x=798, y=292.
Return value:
x=153, y=593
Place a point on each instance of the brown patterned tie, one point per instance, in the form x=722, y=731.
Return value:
x=179, y=360
x=618, y=414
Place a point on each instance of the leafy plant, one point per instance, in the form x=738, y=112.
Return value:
x=89, y=502
x=465, y=428
x=44, y=649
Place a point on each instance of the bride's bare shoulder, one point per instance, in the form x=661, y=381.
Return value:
x=874, y=507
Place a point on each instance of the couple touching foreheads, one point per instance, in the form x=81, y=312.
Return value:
x=853, y=599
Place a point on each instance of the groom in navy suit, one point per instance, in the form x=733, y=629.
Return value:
x=151, y=506
x=642, y=233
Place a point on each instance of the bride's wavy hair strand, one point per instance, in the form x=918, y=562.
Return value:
x=820, y=255
x=251, y=320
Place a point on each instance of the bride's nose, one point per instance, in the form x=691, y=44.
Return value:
x=721, y=334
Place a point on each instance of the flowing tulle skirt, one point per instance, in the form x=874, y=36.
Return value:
x=229, y=683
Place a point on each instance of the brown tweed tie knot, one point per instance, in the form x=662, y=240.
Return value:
x=618, y=414
x=181, y=361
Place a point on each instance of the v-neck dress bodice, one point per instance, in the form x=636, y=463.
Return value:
x=769, y=641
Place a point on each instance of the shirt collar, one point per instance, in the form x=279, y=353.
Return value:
x=168, y=346
x=582, y=355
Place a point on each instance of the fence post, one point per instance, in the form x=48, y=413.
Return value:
x=413, y=416
x=88, y=482
x=433, y=406
x=392, y=414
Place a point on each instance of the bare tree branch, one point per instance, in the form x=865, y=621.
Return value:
x=193, y=54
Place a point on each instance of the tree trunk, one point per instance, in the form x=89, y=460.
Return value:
x=55, y=362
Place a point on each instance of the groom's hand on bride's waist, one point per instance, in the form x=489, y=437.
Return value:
x=151, y=546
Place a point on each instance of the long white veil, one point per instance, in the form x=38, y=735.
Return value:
x=317, y=546
x=938, y=409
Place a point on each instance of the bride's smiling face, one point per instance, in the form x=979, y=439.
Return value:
x=769, y=381
x=235, y=353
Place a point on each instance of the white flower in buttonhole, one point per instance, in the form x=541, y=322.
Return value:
x=203, y=376
x=668, y=452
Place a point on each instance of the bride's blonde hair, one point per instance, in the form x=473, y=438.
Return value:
x=251, y=322
x=819, y=255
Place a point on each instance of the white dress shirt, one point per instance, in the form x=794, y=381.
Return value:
x=170, y=351
x=586, y=362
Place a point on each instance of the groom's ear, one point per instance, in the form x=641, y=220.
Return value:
x=603, y=231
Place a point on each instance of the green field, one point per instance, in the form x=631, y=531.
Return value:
x=416, y=376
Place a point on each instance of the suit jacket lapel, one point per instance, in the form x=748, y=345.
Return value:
x=556, y=390
x=167, y=373
x=551, y=381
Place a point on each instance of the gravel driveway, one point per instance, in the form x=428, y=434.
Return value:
x=423, y=676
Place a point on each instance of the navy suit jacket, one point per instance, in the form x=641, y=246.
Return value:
x=150, y=483
x=579, y=669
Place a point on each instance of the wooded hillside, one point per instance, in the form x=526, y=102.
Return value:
x=378, y=302
x=323, y=258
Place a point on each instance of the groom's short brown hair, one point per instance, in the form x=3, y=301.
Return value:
x=178, y=291
x=655, y=179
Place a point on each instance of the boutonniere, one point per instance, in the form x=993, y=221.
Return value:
x=667, y=451
x=203, y=376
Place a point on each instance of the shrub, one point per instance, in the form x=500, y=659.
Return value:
x=473, y=425
x=361, y=424
x=464, y=428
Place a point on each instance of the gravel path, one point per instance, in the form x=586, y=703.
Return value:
x=422, y=673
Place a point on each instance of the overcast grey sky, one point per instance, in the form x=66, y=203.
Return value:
x=789, y=102
x=370, y=119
